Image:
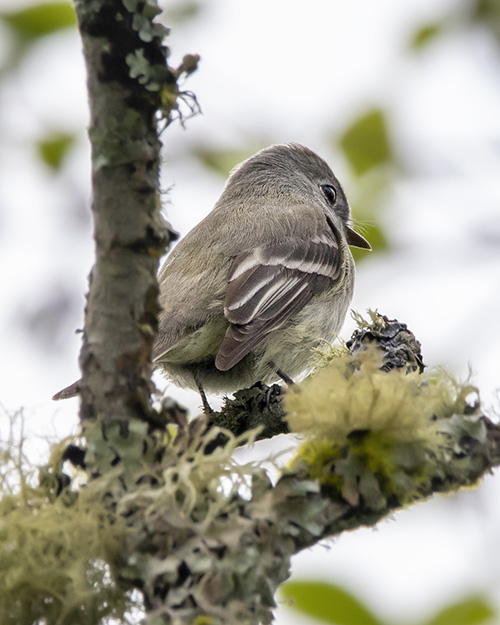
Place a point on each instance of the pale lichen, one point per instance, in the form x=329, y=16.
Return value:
x=351, y=394
x=378, y=436
x=58, y=554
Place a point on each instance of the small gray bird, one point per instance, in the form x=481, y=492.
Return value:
x=262, y=280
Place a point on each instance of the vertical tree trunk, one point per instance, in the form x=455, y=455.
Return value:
x=120, y=320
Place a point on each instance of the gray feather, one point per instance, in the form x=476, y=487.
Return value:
x=262, y=297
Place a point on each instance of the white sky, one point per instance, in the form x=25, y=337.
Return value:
x=293, y=71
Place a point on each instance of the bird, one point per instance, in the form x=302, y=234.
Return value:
x=265, y=278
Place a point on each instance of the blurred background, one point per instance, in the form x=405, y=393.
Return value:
x=403, y=100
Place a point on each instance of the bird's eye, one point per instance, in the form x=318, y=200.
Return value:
x=330, y=193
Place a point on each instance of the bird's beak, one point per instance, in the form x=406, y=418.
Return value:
x=356, y=240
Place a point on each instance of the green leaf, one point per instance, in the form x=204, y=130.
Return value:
x=487, y=9
x=328, y=602
x=40, y=20
x=474, y=610
x=54, y=149
x=374, y=234
x=487, y=13
x=366, y=143
x=182, y=11
x=425, y=35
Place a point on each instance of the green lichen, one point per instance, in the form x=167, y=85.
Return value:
x=58, y=555
x=354, y=394
x=205, y=620
x=146, y=73
x=378, y=437
x=142, y=21
x=327, y=353
x=116, y=144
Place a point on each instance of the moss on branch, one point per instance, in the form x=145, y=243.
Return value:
x=207, y=540
x=376, y=442
x=262, y=406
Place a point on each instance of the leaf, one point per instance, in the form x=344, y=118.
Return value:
x=374, y=234
x=328, y=602
x=487, y=13
x=474, y=610
x=425, y=35
x=40, y=20
x=486, y=9
x=54, y=149
x=182, y=11
x=366, y=143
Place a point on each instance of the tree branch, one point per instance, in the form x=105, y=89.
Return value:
x=129, y=83
x=261, y=406
x=221, y=555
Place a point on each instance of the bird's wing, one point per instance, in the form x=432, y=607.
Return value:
x=271, y=283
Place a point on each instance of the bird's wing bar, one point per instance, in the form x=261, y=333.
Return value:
x=268, y=285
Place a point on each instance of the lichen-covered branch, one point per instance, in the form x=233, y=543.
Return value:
x=130, y=86
x=205, y=540
x=219, y=537
x=261, y=406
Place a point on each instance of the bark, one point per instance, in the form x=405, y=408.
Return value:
x=130, y=88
